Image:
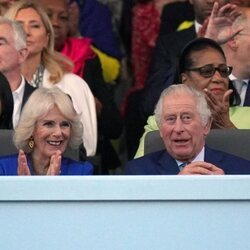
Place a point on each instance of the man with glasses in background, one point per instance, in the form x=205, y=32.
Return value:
x=237, y=51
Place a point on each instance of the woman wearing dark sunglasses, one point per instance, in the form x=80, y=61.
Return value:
x=203, y=66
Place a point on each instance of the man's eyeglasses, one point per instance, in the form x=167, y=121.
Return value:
x=209, y=70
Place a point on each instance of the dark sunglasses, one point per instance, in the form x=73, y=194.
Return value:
x=209, y=70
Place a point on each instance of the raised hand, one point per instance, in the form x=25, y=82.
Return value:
x=22, y=168
x=219, y=26
x=55, y=164
x=219, y=109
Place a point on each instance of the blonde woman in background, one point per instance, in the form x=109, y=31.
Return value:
x=45, y=67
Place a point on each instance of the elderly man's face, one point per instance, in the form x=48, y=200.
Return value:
x=10, y=57
x=181, y=128
x=203, y=8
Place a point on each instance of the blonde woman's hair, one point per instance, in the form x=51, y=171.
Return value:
x=53, y=61
x=41, y=101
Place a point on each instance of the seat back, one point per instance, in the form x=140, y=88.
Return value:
x=233, y=141
x=6, y=141
x=7, y=146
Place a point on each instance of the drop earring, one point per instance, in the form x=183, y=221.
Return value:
x=31, y=142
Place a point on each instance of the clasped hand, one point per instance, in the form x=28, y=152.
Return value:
x=201, y=168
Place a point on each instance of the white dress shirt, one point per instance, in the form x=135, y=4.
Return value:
x=18, y=99
x=197, y=26
x=199, y=157
x=240, y=89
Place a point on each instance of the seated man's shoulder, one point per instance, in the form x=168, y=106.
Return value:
x=232, y=164
x=145, y=164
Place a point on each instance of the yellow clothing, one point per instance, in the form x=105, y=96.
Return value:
x=110, y=66
x=185, y=25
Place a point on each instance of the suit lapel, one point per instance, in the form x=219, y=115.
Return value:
x=28, y=89
x=213, y=156
x=167, y=165
x=247, y=97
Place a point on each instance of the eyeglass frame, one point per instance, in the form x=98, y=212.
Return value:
x=229, y=69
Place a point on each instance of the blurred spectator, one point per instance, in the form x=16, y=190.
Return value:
x=237, y=51
x=12, y=54
x=174, y=14
x=101, y=33
x=96, y=22
x=5, y=5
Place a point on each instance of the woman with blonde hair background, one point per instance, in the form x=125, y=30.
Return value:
x=45, y=67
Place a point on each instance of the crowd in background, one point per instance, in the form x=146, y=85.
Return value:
x=114, y=58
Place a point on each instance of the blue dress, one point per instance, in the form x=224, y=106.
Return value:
x=8, y=166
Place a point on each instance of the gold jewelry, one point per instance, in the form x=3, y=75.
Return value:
x=31, y=142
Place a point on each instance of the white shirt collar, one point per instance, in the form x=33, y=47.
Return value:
x=199, y=157
x=197, y=26
x=232, y=77
x=18, y=100
x=18, y=93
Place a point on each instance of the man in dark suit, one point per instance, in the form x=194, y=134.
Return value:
x=237, y=51
x=184, y=120
x=13, y=52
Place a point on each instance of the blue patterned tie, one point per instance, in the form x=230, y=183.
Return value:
x=182, y=165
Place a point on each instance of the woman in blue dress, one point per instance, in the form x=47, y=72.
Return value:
x=47, y=126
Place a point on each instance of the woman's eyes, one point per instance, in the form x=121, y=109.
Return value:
x=50, y=124
x=37, y=26
x=65, y=124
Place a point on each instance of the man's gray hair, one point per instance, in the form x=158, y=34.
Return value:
x=202, y=106
x=18, y=32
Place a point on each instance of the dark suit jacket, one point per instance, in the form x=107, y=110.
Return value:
x=163, y=68
x=6, y=100
x=28, y=89
x=173, y=14
x=161, y=163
